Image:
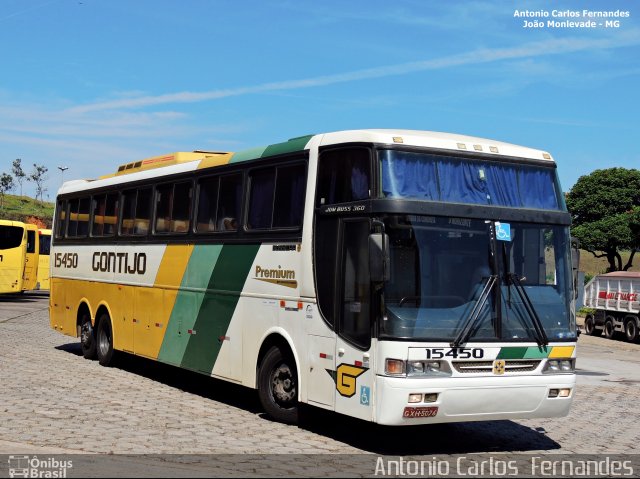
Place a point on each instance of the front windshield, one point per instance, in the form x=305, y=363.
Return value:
x=441, y=265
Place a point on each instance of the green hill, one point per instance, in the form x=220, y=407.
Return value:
x=23, y=208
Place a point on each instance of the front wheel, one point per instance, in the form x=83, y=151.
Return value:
x=278, y=386
x=104, y=338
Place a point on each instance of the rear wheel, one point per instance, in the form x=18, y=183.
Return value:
x=609, y=330
x=104, y=338
x=631, y=329
x=590, y=326
x=87, y=337
x=278, y=386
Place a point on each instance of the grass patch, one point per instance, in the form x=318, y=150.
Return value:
x=19, y=208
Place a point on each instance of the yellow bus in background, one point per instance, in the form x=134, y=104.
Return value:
x=30, y=276
x=13, y=250
x=43, y=260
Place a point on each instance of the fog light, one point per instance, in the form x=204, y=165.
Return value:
x=565, y=393
x=394, y=367
x=553, y=393
x=431, y=397
x=413, y=397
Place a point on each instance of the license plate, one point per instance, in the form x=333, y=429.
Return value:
x=411, y=412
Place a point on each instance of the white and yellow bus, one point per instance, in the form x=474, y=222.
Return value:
x=43, y=261
x=401, y=277
x=13, y=251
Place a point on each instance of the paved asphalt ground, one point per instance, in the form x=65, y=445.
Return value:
x=53, y=401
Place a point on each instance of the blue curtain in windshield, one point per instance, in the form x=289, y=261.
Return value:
x=441, y=178
x=407, y=175
x=460, y=182
x=538, y=189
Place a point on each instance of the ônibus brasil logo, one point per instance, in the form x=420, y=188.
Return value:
x=26, y=466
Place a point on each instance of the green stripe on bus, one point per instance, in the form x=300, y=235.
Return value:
x=294, y=144
x=226, y=283
x=538, y=352
x=188, y=302
x=512, y=353
x=250, y=154
x=291, y=146
x=523, y=352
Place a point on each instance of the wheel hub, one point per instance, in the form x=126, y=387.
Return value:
x=283, y=386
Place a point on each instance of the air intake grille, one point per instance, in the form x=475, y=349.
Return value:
x=511, y=366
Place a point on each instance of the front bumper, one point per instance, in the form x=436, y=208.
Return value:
x=472, y=399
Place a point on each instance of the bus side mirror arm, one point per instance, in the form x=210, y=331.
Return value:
x=379, y=269
x=575, y=264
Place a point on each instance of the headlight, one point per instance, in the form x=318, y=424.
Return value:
x=423, y=368
x=560, y=366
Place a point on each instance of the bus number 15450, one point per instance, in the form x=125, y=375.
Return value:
x=455, y=353
x=66, y=260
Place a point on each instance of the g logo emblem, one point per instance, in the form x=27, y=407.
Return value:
x=346, y=376
x=498, y=366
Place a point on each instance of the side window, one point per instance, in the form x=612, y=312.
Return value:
x=207, y=204
x=181, y=213
x=105, y=212
x=229, y=201
x=78, y=218
x=72, y=226
x=164, y=195
x=136, y=212
x=143, y=212
x=128, y=212
x=173, y=207
x=262, y=187
x=276, y=197
x=45, y=244
x=31, y=241
x=61, y=211
x=344, y=175
x=289, y=200
x=355, y=320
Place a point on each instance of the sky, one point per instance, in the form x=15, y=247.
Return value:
x=92, y=84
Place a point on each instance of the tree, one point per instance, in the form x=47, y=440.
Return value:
x=605, y=207
x=6, y=184
x=39, y=176
x=18, y=172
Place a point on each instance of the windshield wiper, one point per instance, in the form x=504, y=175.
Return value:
x=541, y=337
x=475, y=312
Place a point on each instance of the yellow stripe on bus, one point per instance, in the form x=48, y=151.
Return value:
x=561, y=352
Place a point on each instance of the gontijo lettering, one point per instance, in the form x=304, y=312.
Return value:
x=110, y=262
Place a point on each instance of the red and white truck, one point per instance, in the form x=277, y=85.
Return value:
x=616, y=300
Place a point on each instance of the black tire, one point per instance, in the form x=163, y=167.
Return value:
x=87, y=337
x=104, y=340
x=609, y=330
x=278, y=386
x=631, y=329
x=590, y=326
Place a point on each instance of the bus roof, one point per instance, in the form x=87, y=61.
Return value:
x=180, y=162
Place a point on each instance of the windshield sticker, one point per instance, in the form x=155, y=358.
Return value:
x=503, y=231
